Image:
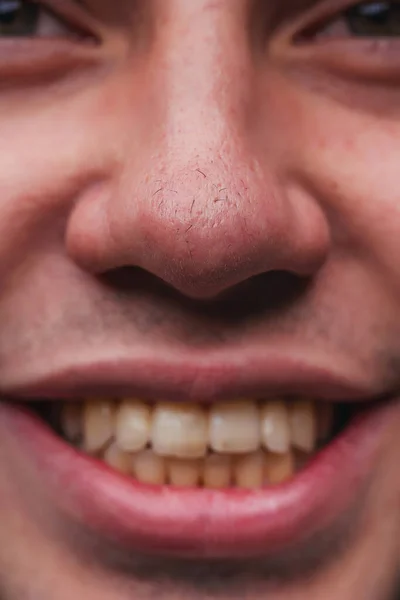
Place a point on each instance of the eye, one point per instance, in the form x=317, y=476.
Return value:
x=366, y=20
x=22, y=18
x=377, y=19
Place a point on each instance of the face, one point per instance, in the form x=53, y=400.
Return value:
x=199, y=309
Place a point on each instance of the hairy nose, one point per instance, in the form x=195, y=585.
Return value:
x=195, y=202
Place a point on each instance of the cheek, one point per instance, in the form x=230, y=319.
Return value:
x=55, y=143
x=365, y=192
x=49, y=149
x=349, y=162
x=50, y=153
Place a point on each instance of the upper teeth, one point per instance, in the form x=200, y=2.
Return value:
x=179, y=431
x=192, y=430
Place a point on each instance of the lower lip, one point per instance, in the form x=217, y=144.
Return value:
x=199, y=522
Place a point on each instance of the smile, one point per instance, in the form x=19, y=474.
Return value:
x=242, y=443
x=220, y=478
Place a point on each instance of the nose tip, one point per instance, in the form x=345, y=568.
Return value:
x=200, y=232
x=195, y=197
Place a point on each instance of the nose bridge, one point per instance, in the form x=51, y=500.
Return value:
x=199, y=59
x=197, y=177
x=194, y=137
x=194, y=204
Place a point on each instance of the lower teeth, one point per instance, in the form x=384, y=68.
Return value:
x=216, y=471
x=243, y=444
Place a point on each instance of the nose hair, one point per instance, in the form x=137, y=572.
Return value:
x=202, y=231
x=196, y=206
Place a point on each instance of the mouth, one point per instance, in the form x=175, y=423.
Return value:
x=244, y=444
x=240, y=478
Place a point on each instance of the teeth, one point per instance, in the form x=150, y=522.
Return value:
x=179, y=431
x=117, y=459
x=249, y=470
x=303, y=425
x=149, y=468
x=217, y=471
x=235, y=427
x=72, y=421
x=325, y=421
x=279, y=467
x=98, y=424
x=301, y=459
x=243, y=442
x=132, y=425
x=184, y=473
x=275, y=428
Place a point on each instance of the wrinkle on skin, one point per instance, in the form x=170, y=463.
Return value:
x=200, y=186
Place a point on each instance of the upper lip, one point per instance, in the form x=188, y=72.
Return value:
x=201, y=378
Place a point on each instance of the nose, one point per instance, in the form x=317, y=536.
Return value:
x=195, y=201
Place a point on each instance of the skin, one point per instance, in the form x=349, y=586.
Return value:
x=201, y=144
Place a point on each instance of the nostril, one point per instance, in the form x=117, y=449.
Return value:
x=257, y=299
x=132, y=280
x=260, y=296
x=270, y=291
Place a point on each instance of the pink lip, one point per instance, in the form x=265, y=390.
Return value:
x=198, y=522
x=169, y=375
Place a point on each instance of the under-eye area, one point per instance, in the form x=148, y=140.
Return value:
x=245, y=444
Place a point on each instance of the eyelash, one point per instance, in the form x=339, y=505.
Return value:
x=323, y=24
x=23, y=19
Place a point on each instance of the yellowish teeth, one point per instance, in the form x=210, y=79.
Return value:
x=235, y=427
x=132, y=425
x=303, y=425
x=118, y=459
x=72, y=421
x=243, y=443
x=179, y=430
x=325, y=417
x=279, y=467
x=98, y=424
x=275, y=427
x=301, y=459
x=183, y=472
x=217, y=471
x=149, y=468
x=249, y=470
